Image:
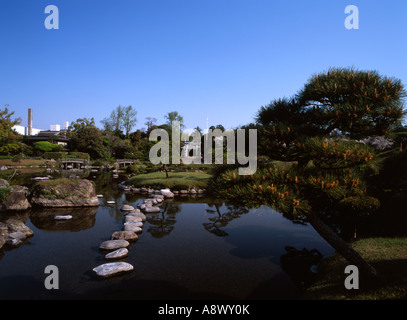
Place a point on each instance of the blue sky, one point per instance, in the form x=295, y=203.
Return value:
x=219, y=59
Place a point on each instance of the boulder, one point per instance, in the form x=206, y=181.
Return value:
x=15, y=239
x=4, y=183
x=114, y=244
x=65, y=193
x=112, y=268
x=117, y=254
x=14, y=225
x=16, y=198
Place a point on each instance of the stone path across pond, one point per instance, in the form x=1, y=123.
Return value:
x=120, y=240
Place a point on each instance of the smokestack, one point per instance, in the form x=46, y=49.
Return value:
x=30, y=122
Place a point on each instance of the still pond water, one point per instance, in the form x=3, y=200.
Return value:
x=192, y=249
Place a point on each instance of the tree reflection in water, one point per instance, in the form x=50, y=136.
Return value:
x=162, y=224
x=220, y=220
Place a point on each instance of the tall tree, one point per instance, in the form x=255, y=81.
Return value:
x=129, y=119
x=86, y=137
x=6, y=123
x=174, y=116
x=150, y=123
x=115, y=121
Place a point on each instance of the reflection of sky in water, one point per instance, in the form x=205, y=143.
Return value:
x=189, y=250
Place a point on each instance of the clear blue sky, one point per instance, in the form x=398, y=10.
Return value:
x=220, y=59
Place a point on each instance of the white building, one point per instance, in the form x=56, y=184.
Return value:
x=55, y=127
x=24, y=130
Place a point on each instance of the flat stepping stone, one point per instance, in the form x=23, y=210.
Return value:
x=151, y=210
x=100, y=195
x=66, y=217
x=133, y=219
x=130, y=226
x=140, y=215
x=127, y=207
x=110, y=202
x=124, y=235
x=114, y=244
x=117, y=254
x=112, y=268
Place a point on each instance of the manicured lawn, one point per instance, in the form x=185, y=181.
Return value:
x=176, y=180
x=387, y=255
x=22, y=162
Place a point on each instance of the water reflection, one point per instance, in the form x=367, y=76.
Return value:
x=220, y=220
x=161, y=224
x=300, y=265
x=82, y=218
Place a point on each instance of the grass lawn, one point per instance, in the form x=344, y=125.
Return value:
x=22, y=162
x=387, y=255
x=176, y=180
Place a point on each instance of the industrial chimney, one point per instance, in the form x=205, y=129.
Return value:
x=30, y=122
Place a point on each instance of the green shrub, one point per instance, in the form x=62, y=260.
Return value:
x=360, y=206
x=4, y=192
x=79, y=155
x=54, y=155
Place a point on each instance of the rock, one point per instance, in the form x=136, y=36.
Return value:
x=65, y=193
x=16, y=199
x=4, y=183
x=183, y=191
x=114, y=244
x=2, y=241
x=99, y=195
x=110, y=202
x=112, y=268
x=67, y=217
x=151, y=209
x=15, y=225
x=193, y=191
x=132, y=226
x=124, y=235
x=117, y=254
x=133, y=219
x=3, y=229
x=138, y=214
x=167, y=193
x=127, y=207
x=15, y=239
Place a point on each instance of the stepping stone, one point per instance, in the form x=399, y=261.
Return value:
x=114, y=244
x=100, y=195
x=117, y=254
x=112, y=268
x=127, y=207
x=136, y=214
x=110, y=202
x=66, y=217
x=124, y=235
x=167, y=193
x=151, y=209
x=133, y=219
x=132, y=226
